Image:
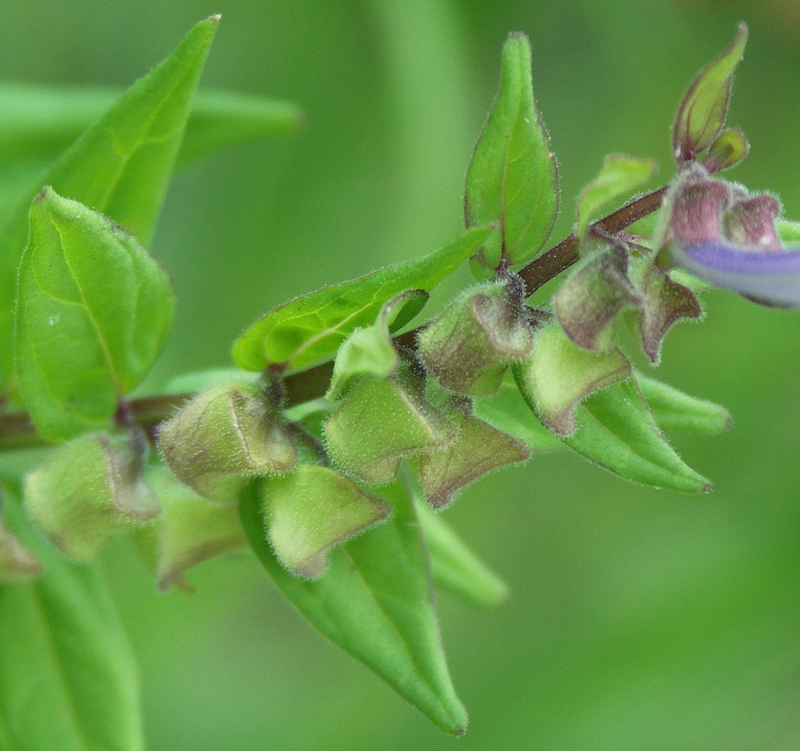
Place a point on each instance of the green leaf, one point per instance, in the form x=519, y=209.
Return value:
x=512, y=180
x=702, y=112
x=617, y=431
x=38, y=122
x=313, y=327
x=93, y=314
x=674, y=410
x=120, y=167
x=507, y=411
x=619, y=178
x=455, y=567
x=788, y=230
x=68, y=680
x=375, y=602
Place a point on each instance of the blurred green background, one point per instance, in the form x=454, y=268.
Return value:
x=640, y=619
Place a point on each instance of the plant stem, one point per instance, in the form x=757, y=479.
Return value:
x=18, y=432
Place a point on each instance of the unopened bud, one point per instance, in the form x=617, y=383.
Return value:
x=379, y=423
x=87, y=491
x=16, y=561
x=730, y=148
x=477, y=449
x=470, y=345
x=223, y=436
x=750, y=223
x=312, y=509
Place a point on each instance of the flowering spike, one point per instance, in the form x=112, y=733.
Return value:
x=702, y=112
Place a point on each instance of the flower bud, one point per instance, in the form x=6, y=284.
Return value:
x=88, y=490
x=16, y=561
x=589, y=301
x=379, y=423
x=696, y=208
x=224, y=435
x=190, y=529
x=471, y=344
x=751, y=223
x=477, y=449
x=312, y=509
x=730, y=148
x=558, y=375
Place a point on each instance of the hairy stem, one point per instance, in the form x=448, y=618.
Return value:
x=17, y=431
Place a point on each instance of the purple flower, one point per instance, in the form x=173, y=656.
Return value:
x=766, y=277
x=727, y=237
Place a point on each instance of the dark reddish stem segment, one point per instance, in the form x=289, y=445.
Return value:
x=17, y=431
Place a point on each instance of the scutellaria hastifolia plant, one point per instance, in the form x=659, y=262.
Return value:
x=329, y=446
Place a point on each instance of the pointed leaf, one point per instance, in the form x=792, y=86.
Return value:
x=617, y=431
x=674, y=410
x=369, y=351
x=313, y=327
x=68, y=679
x=512, y=179
x=37, y=123
x=455, y=567
x=702, y=112
x=620, y=176
x=94, y=312
x=375, y=602
x=120, y=167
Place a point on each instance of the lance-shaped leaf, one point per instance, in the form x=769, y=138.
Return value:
x=87, y=491
x=16, y=561
x=620, y=176
x=37, y=123
x=730, y=148
x=617, y=431
x=512, y=180
x=120, y=167
x=376, y=603
x=477, y=449
x=314, y=326
x=767, y=278
x=380, y=422
x=189, y=530
x=664, y=303
x=508, y=411
x=68, y=678
x=589, y=301
x=311, y=510
x=702, y=112
x=369, y=351
x=93, y=313
x=455, y=567
x=674, y=410
x=558, y=375
x=224, y=435
x=470, y=345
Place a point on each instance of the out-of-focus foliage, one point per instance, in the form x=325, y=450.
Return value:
x=637, y=618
